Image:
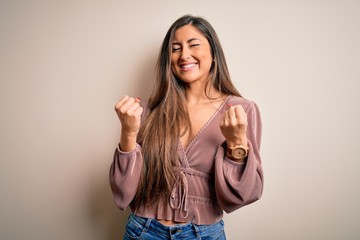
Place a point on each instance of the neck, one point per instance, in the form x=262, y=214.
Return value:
x=199, y=94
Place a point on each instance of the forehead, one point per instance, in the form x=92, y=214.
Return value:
x=187, y=32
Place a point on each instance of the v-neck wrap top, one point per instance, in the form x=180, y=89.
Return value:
x=209, y=182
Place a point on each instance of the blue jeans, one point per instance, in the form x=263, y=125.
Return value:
x=148, y=228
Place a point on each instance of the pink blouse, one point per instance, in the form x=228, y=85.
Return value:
x=209, y=182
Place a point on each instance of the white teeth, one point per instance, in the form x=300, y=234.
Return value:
x=187, y=66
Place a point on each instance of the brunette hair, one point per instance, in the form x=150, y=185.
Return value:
x=167, y=117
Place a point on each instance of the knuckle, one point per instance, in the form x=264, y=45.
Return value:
x=123, y=110
x=129, y=112
x=117, y=106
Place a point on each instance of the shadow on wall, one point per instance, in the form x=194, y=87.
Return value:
x=109, y=221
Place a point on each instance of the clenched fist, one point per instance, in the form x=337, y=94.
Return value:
x=129, y=112
x=233, y=125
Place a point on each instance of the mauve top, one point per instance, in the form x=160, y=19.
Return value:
x=209, y=182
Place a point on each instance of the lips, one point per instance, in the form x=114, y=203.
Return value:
x=187, y=66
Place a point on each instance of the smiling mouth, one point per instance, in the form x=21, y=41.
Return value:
x=187, y=66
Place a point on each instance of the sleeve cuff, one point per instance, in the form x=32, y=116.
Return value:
x=122, y=152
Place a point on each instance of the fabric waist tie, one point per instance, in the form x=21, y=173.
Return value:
x=182, y=190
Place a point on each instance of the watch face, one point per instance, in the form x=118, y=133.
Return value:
x=239, y=153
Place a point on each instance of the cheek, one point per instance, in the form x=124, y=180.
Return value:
x=173, y=61
x=174, y=67
x=207, y=61
x=206, y=57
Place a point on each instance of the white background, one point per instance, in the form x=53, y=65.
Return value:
x=64, y=65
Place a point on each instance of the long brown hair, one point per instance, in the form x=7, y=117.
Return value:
x=168, y=117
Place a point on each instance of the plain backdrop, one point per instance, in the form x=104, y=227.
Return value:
x=64, y=65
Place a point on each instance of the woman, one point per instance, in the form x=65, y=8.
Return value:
x=192, y=151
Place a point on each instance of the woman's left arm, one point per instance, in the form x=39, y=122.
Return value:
x=240, y=183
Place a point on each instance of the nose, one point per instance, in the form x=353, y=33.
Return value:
x=185, y=54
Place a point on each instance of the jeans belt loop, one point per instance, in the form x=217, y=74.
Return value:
x=197, y=230
x=147, y=224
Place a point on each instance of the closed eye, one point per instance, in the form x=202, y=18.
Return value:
x=176, y=49
x=194, y=45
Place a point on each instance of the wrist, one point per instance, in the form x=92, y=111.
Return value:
x=127, y=142
x=240, y=141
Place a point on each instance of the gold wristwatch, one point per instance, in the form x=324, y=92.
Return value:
x=237, y=152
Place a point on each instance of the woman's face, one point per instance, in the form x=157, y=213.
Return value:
x=191, y=58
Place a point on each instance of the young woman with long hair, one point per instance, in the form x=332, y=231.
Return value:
x=191, y=151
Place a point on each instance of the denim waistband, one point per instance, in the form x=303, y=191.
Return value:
x=150, y=223
x=150, y=228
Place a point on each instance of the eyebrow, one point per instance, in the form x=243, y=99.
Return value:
x=188, y=41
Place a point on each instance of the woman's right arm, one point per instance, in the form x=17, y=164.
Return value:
x=127, y=162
